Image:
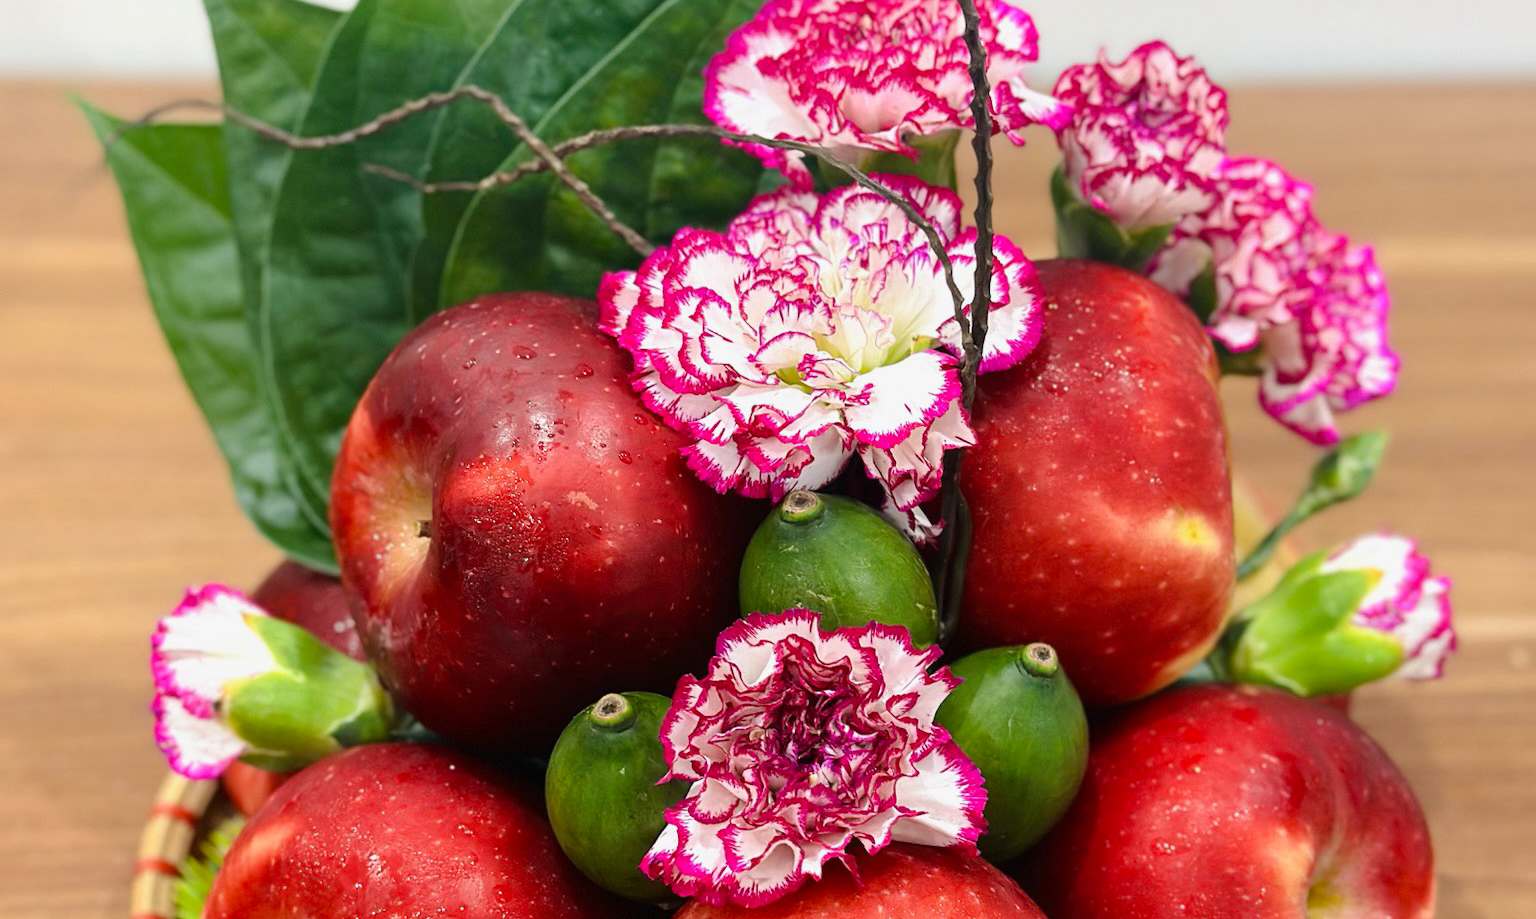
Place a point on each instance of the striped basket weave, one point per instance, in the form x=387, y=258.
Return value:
x=174, y=824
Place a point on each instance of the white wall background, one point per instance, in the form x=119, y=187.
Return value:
x=1239, y=40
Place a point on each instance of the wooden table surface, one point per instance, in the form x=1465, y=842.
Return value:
x=112, y=498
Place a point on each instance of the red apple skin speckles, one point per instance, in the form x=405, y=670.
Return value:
x=1236, y=803
x=1100, y=490
x=570, y=550
x=901, y=882
x=405, y=831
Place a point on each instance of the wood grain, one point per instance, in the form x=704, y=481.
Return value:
x=114, y=498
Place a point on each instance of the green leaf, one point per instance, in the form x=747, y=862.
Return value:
x=334, y=298
x=199, y=872
x=176, y=194
x=537, y=235
x=537, y=60
x=355, y=258
x=269, y=54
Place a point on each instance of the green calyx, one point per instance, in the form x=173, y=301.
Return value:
x=1020, y=721
x=316, y=702
x=602, y=795
x=1083, y=231
x=934, y=163
x=840, y=558
x=1341, y=475
x=1301, y=637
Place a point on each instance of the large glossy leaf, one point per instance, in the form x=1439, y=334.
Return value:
x=333, y=299
x=537, y=235
x=176, y=194
x=269, y=53
x=536, y=66
x=354, y=260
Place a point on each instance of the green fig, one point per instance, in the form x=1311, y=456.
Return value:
x=602, y=794
x=1020, y=721
x=840, y=558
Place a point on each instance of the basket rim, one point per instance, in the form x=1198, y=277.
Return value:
x=174, y=818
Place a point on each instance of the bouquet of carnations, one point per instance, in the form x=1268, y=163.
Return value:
x=650, y=423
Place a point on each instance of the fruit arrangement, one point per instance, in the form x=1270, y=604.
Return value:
x=694, y=507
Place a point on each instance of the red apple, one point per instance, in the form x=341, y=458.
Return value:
x=1099, y=489
x=313, y=600
x=317, y=602
x=520, y=533
x=1237, y=803
x=405, y=831
x=914, y=882
x=249, y=787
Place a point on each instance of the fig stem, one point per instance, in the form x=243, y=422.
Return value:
x=613, y=712
x=802, y=506
x=1039, y=659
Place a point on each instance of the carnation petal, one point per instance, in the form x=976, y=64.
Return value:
x=205, y=644
x=806, y=742
x=896, y=399
x=869, y=76
x=195, y=746
x=946, y=797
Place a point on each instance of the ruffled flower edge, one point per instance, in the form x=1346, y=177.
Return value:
x=724, y=386
x=767, y=81
x=749, y=654
x=196, y=651
x=1146, y=137
x=1407, y=602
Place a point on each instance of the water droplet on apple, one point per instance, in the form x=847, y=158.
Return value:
x=625, y=458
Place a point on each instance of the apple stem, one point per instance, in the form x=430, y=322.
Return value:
x=424, y=529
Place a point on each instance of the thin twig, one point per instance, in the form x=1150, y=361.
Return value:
x=656, y=131
x=955, y=544
x=981, y=142
x=552, y=162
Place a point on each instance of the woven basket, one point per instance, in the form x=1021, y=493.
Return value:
x=175, y=824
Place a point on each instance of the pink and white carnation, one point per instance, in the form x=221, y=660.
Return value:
x=1145, y=137
x=1334, y=355
x=858, y=75
x=813, y=329
x=196, y=653
x=1256, y=237
x=1406, y=603
x=800, y=743
x=1317, y=304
